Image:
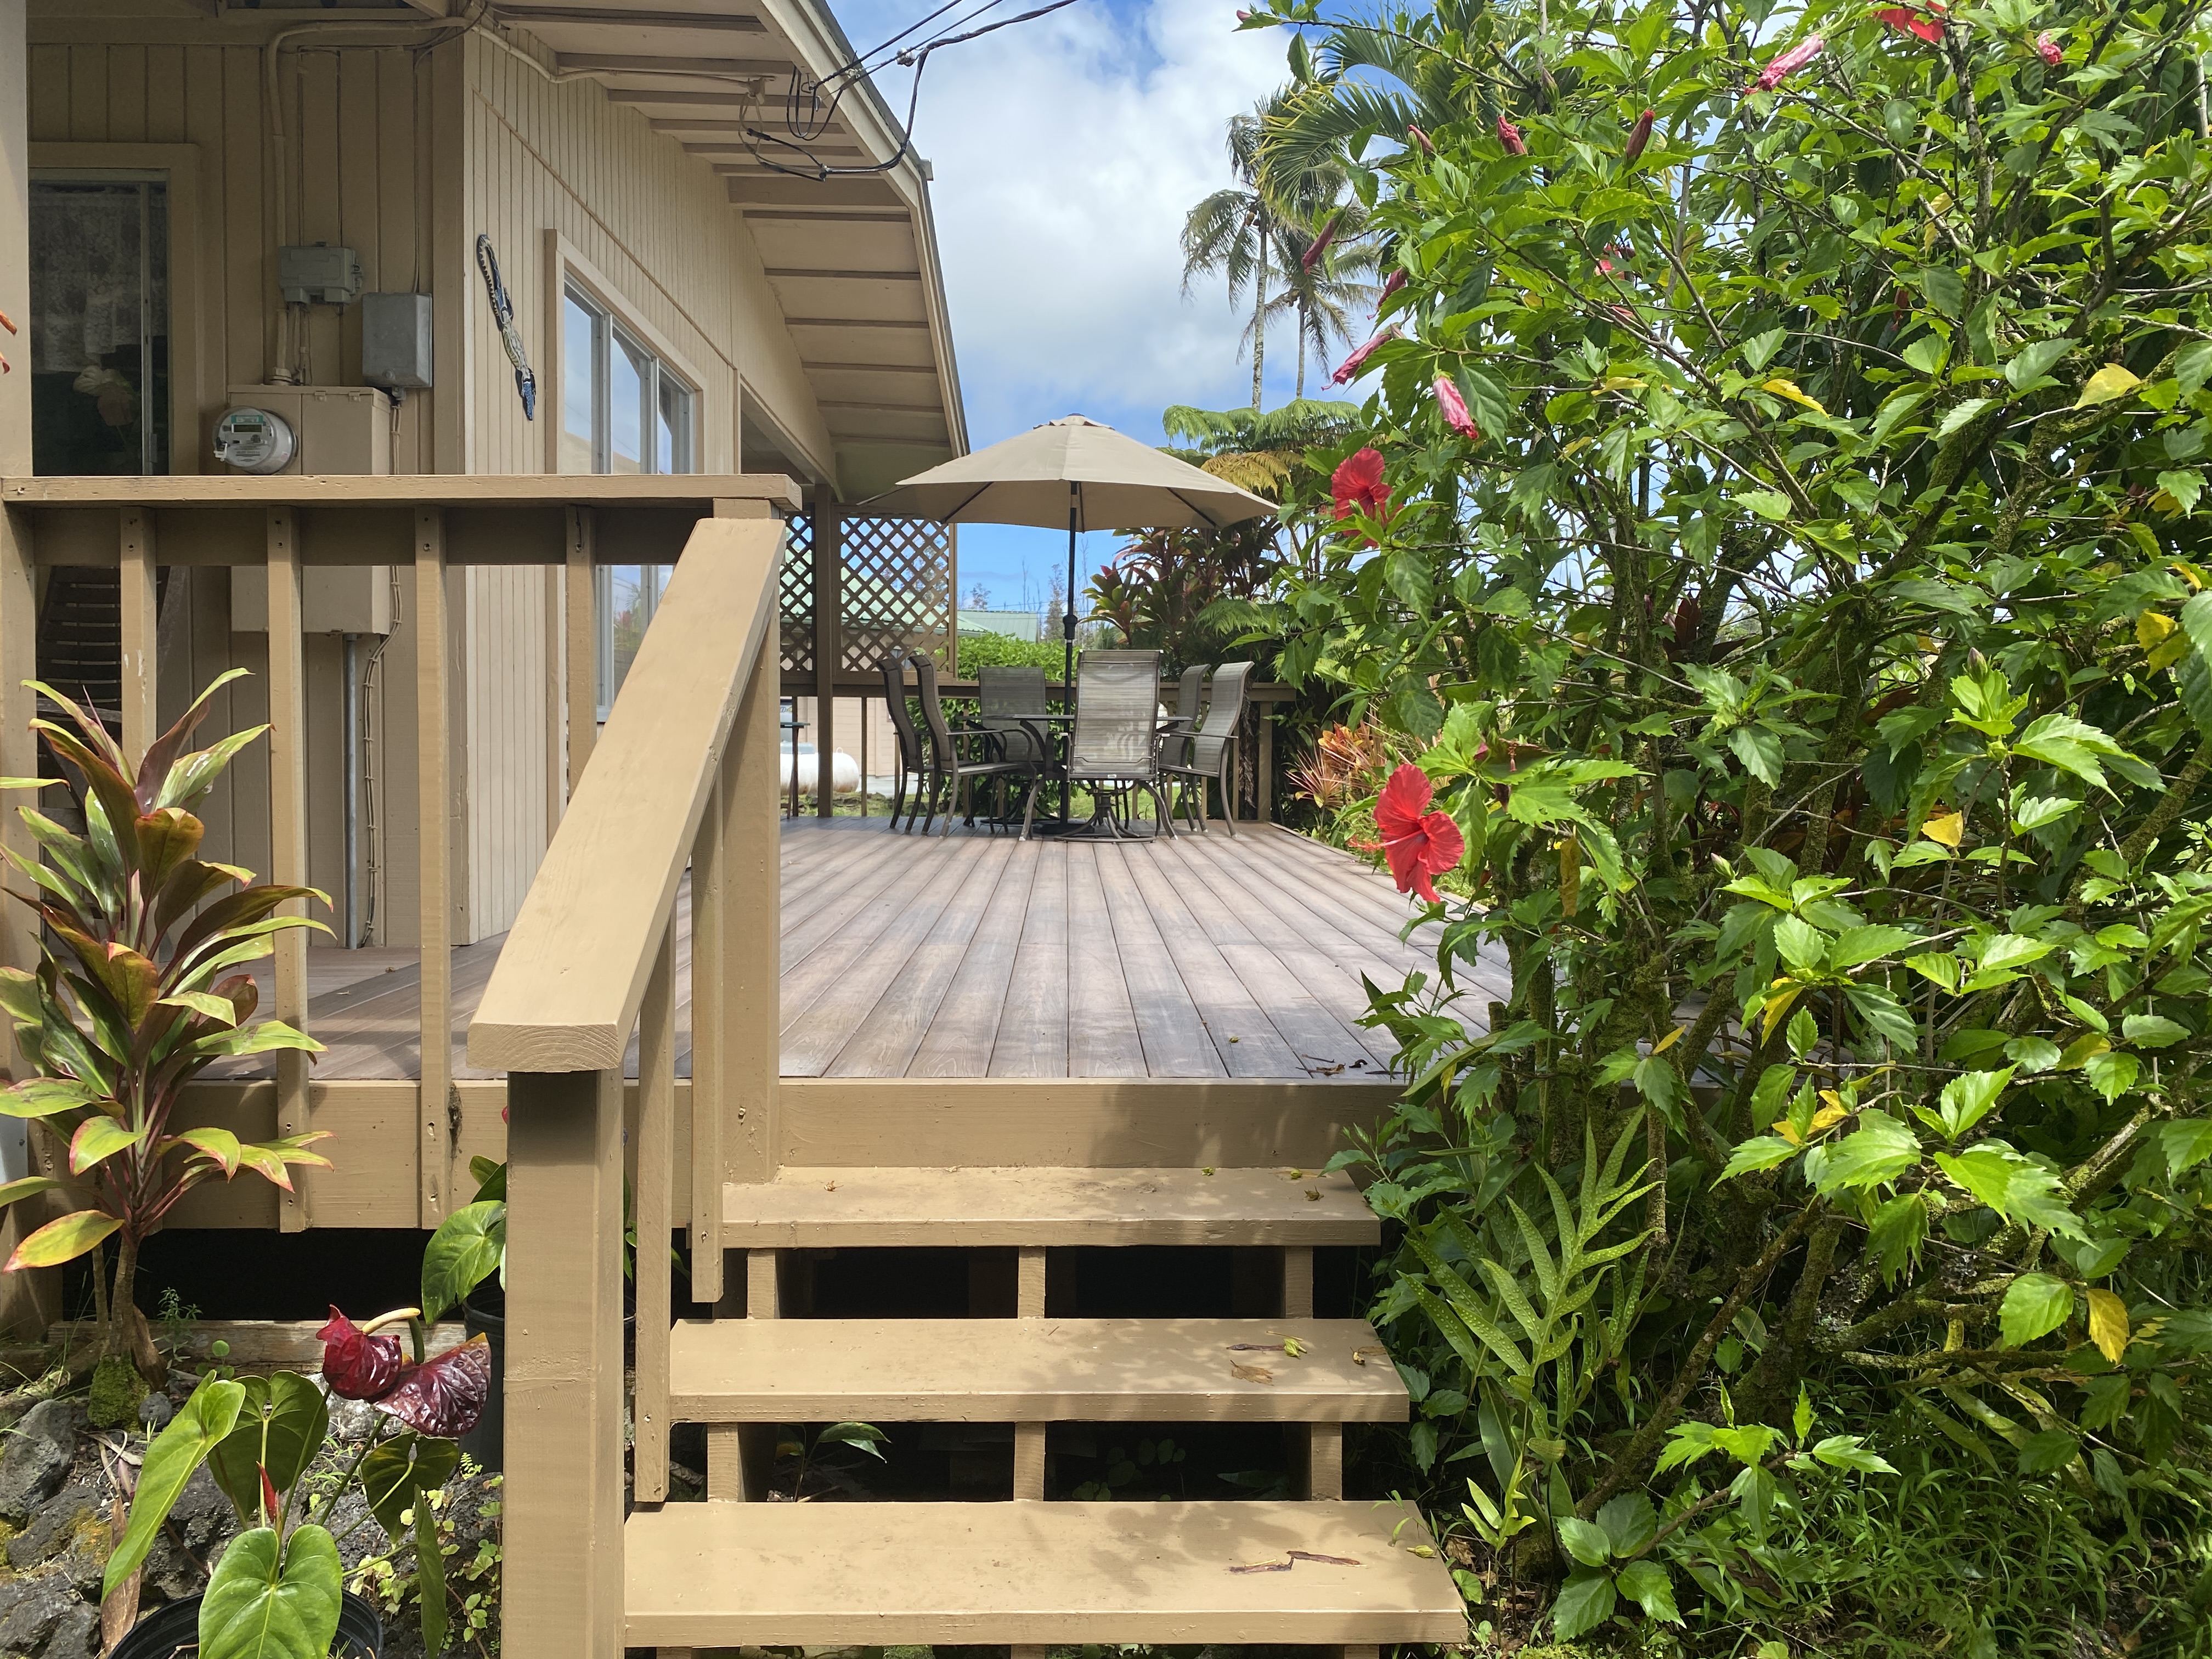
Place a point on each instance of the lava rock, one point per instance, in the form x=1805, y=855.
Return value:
x=76, y=1632
x=72, y=1528
x=352, y=1421
x=35, y=1612
x=204, y=1519
x=38, y=1457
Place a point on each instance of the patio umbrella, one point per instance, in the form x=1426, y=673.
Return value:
x=1074, y=471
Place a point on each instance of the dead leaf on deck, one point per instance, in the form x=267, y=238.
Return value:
x=1313, y=1195
x=1255, y=1347
x=831, y=1187
x=1250, y=1373
x=1293, y=1347
x=1361, y=1356
x=1330, y=1560
x=1263, y=1567
x=1426, y=1552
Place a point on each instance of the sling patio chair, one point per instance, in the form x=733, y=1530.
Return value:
x=953, y=769
x=1190, y=704
x=1212, y=753
x=1114, y=744
x=909, y=739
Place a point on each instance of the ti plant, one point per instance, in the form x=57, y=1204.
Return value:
x=276, y=1592
x=140, y=988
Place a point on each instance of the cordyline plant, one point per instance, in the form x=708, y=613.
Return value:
x=139, y=991
x=1781, y=521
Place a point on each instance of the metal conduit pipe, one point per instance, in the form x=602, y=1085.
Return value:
x=350, y=702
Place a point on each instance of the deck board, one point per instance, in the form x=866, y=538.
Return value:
x=977, y=954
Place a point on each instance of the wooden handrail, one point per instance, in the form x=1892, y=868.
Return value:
x=566, y=993
x=697, y=489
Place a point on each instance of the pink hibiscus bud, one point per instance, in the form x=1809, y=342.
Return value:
x=1348, y=370
x=1787, y=64
x=1428, y=144
x=1510, y=135
x=1319, y=244
x=1638, y=137
x=2047, y=47
x=1397, y=280
x=1454, y=409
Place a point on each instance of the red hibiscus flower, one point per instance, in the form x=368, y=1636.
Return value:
x=1787, y=64
x=1454, y=408
x=1419, y=845
x=1348, y=370
x=1915, y=22
x=1357, y=486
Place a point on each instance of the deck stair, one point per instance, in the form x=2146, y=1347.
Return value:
x=1027, y=1572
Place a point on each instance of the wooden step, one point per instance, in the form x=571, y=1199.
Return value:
x=1031, y=1370
x=777, y=1575
x=824, y=1207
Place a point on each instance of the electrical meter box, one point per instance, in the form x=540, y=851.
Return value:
x=339, y=430
x=395, y=340
x=318, y=275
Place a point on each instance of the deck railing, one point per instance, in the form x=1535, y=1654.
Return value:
x=684, y=775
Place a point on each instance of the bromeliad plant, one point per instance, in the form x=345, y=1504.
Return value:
x=1781, y=522
x=139, y=991
x=277, y=1591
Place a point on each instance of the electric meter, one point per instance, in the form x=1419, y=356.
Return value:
x=254, y=441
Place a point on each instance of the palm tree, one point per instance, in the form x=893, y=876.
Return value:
x=1233, y=233
x=1326, y=297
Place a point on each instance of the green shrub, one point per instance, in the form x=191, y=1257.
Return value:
x=1003, y=650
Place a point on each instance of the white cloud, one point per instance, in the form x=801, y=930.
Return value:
x=1068, y=151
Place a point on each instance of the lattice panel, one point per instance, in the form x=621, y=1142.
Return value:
x=897, y=591
x=795, y=594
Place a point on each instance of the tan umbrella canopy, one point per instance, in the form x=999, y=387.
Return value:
x=1074, y=472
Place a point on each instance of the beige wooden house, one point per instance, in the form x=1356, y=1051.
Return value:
x=570, y=927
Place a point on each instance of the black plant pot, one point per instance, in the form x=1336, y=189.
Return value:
x=174, y=1628
x=484, y=1313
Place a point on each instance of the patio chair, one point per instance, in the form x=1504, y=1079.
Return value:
x=1009, y=695
x=1114, y=744
x=1190, y=700
x=951, y=772
x=1213, y=749
x=909, y=739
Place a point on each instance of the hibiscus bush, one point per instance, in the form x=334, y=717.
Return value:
x=1776, y=523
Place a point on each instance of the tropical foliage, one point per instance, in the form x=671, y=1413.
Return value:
x=1776, y=526
x=141, y=987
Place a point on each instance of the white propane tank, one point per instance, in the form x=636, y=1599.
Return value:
x=254, y=441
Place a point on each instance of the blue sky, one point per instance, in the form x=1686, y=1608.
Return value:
x=1067, y=152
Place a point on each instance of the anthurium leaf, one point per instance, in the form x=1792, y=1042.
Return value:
x=264, y=1602
x=99, y=1137
x=1585, y=1601
x=401, y=1468
x=64, y=1240
x=197, y=1428
x=461, y=1255
x=279, y=1429
x=2035, y=1305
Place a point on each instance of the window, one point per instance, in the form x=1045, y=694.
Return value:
x=100, y=322
x=623, y=412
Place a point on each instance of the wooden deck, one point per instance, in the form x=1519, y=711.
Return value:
x=983, y=956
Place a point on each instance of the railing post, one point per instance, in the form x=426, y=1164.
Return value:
x=140, y=619
x=656, y=1118
x=287, y=823
x=434, y=793
x=579, y=580
x=1265, y=787
x=828, y=645
x=561, y=1597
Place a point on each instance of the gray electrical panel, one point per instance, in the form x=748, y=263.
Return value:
x=395, y=341
x=318, y=275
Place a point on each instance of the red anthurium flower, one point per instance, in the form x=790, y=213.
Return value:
x=1787, y=64
x=359, y=1367
x=1320, y=244
x=2047, y=47
x=1510, y=135
x=445, y=1397
x=1396, y=281
x=1357, y=485
x=1913, y=22
x=1419, y=845
x=1428, y=145
x=1348, y=370
x=1454, y=408
x=1638, y=137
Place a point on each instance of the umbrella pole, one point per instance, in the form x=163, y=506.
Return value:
x=1068, y=633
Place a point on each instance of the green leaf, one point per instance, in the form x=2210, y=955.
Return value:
x=1646, y=1583
x=2047, y=1452
x=98, y=1138
x=2152, y=1031
x=193, y=1433
x=64, y=1240
x=1760, y=1153
x=1880, y=1150
x=2035, y=1305
x=2034, y=361
x=461, y=1255
x=1585, y=1541
x=398, y=1472
x=279, y=1429
x=2111, y=1074
x=264, y=1603
x=29, y=1186
x=1960, y=415
x=1896, y=1232
x=1970, y=1097
x=1847, y=1451
x=430, y=1579
x=1585, y=1601
x=2107, y=383
x=1628, y=1522
x=1770, y=504
x=2186, y=1144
